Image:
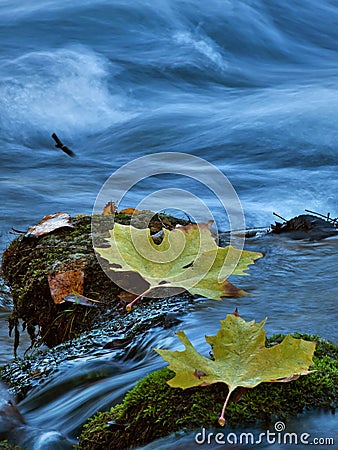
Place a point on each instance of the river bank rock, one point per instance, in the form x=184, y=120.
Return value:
x=152, y=409
x=30, y=259
x=306, y=226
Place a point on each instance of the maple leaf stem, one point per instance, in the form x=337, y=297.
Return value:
x=221, y=419
x=130, y=305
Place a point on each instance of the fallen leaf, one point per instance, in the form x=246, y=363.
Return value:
x=187, y=258
x=130, y=211
x=110, y=208
x=65, y=283
x=50, y=223
x=240, y=359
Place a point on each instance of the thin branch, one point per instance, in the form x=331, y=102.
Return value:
x=327, y=217
x=280, y=217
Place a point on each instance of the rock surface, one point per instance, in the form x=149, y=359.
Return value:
x=30, y=260
x=306, y=226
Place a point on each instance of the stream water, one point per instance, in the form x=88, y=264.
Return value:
x=248, y=85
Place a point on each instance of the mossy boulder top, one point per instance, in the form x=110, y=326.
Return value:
x=152, y=409
x=29, y=259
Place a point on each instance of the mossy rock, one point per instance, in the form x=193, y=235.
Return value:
x=28, y=261
x=152, y=409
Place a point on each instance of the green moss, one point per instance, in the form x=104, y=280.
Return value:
x=27, y=262
x=153, y=409
x=26, y=265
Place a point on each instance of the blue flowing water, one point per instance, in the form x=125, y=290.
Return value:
x=251, y=86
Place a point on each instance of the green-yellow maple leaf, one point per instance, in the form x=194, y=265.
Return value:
x=188, y=257
x=240, y=358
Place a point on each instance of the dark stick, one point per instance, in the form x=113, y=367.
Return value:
x=328, y=218
x=280, y=217
x=18, y=231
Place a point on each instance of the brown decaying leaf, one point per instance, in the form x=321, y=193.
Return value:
x=110, y=208
x=130, y=211
x=65, y=283
x=50, y=223
x=35, y=373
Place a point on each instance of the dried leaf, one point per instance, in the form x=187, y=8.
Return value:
x=109, y=209
x=130, y=211
x=50, y=223
x=65, y=283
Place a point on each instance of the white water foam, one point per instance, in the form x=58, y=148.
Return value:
x=69, y=90
x=204, y=46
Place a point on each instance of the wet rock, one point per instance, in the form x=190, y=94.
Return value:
x=118, y=344
x=10, y=417
x=28, y=262
x=305, y=226
x=26, y=265
x=171, y=319
x=30, y=438
x=20, y=435
x=116, y=334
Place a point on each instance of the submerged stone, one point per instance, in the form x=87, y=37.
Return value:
x=10, y=417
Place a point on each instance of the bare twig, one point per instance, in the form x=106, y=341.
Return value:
x=327, y=217
x=280, y=217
